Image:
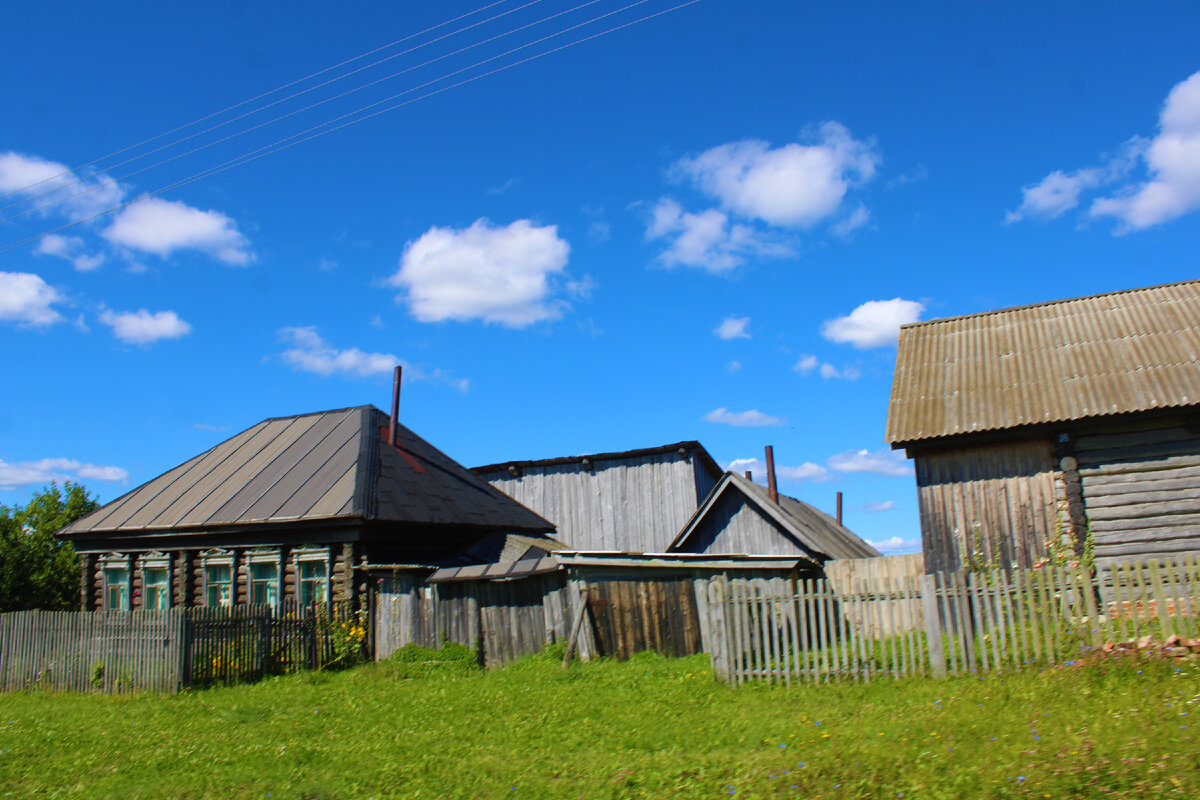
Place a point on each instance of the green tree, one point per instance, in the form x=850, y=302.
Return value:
x=37, y=569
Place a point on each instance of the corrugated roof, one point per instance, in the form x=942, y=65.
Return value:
x=815, y=529
x=706, y=460
x=1116, y=353
x=325, y=465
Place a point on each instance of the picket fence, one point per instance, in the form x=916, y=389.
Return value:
x=163, y=651
x=945, y=624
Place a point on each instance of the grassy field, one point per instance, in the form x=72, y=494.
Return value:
x=650, y=727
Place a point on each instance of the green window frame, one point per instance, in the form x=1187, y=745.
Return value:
x=156, y=582
x=265, y=577
x=117, y=583
x=312, y=575
x=218, y=578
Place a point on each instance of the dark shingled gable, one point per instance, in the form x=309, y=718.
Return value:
x=327, y=465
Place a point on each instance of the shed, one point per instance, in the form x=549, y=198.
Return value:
x=740, y=516
x=293, y=508
x=1043, y=423
x=632, y=501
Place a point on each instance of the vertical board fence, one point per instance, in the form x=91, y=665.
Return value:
x=944, y=624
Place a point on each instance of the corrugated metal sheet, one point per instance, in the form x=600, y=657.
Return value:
x=1114, y=353
x=314, y=466
x=739, y=517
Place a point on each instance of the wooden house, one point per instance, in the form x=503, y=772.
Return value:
x=295, y=508
x=1052, y=422
x=673, y=499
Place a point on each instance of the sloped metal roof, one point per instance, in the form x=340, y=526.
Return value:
x=325, y=465
x=706, y=460
x=813, y=528
x=1115, y=353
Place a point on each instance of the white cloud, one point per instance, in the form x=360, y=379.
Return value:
x=857, y=218
x=876, y=506
x=887, y=463
x=807, y=472
x=163, y=227
x=1172, y=162
x=733, y=328
x=806, y=364
x=69, y=248
x=143, y=327
x=896, y=546
x=743, y=419
x=875, y=323
x=733, y=367
x=709, y=240
x=63, y=192
x=28, y=473
x=795, y=185
x=26, y=299
x=500, y=274
x=309, y=352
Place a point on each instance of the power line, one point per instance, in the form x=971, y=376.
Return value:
x=284, y=144
x=259, y=126
x=256, y=98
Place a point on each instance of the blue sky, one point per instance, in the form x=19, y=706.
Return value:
x=707, y=225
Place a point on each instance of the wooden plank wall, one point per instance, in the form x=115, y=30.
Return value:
x=864, y=576
x=650, y=613
x=1005, y=491
x=1141, y=490
x=969, y=624
x=86, y=651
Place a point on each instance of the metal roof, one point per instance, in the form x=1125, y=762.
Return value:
x=682, y=448
x=326, y=465
x=815, y=529
x=1116, y=353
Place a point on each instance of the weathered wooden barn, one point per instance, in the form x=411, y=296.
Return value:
x=1054, y=420
x=295, y=508
x=673, y=498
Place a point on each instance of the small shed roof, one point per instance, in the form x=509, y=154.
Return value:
x=813, y=528
x=327, y=465
x=682, y=448
x=1116, y=353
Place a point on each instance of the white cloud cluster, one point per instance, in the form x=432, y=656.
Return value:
x=142, y=327
x=29, y=473
x=808, y=364
x=70, y=248
x=886, y=463
x=743, y=419
x=26, y=299
x=896, y=546
x=309, y=352
x=794, y=186
x=807, y=472
x=875, y=323
x=40, y=182
x=500, y=274
x=733, y=328
x=1172, y=164
x=162, y=227
x=878, y=506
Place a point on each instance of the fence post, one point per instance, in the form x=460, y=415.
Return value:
x=933, y=626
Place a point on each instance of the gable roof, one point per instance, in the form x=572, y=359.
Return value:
x=326, y=465
x=682, y=448
x=816, y=530
x=1114, y=353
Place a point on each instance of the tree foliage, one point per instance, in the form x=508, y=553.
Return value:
x=37, y=569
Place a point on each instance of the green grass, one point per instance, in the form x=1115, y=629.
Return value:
x=650, y=727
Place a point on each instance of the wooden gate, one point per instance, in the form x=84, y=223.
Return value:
x=646, y=614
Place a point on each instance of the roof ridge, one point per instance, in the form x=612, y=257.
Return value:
x=1046, y=303
x=691, y=445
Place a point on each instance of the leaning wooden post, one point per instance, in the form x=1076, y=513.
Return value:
x=576, y=625
x=933, y=626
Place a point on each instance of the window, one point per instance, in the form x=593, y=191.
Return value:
x=156, y=581
x=264, y=578
x=312, y=572
x=218, y=578
x=116, y=582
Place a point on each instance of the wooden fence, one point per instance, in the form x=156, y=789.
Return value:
x=162, y=651
x=968, y=622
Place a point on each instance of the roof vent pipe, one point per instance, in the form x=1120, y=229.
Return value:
x=395, y=406
x=749, y=475
x=839, y=508
x=772, y=492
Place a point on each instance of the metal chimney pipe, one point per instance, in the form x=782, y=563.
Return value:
x=772, y=492
x=395, y=406
x=749, y=475
x=839, y=508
